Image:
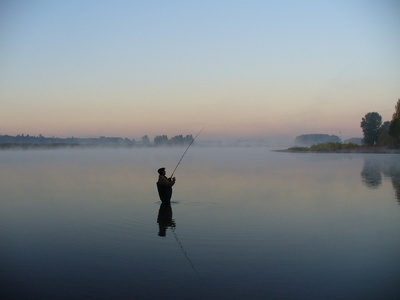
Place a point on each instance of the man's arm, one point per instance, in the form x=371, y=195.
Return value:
x=165, y=182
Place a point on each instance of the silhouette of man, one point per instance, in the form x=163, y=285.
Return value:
x=164, y=186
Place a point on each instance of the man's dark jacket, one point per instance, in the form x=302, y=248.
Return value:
x=164, y=187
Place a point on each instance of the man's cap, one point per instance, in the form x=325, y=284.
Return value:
x=160, y=170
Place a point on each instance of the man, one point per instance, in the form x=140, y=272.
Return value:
x=164, y=186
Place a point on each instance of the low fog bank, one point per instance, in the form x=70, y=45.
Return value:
x=278, y=143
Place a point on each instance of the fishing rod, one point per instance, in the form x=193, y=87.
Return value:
x=185, y=152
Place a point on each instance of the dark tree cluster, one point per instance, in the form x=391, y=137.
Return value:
x=394, y=127
x=381, y=134
x=371, y=127
x=160, y=140
x=178, y=140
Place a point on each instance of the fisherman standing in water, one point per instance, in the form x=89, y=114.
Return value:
x=164, y=186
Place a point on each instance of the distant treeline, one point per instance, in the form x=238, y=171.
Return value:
x=312, y=139
x=376, y=133
x=161, y=140
x=29, y=139
x=8, y=141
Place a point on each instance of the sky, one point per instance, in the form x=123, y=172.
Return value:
x=241, y=69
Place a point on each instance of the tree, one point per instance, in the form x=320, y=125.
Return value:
x=394, y=128
x=188, y=138
x=160, y=140
x=145, y=140
x=177, y=140
x=384, y=138
x=370, y=125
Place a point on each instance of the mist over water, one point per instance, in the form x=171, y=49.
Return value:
x=246, y=223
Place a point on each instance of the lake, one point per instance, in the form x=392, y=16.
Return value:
x=244, y=223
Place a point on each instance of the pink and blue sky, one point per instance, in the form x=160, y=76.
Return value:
x=242, y=69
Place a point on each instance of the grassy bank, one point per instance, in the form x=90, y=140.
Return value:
x=341, y=148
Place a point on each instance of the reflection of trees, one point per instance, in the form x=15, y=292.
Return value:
x=375, y=166
x=371, y=174
x=392, y=171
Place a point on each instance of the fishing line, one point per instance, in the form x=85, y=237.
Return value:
x=173, y=228
x=183, y=251
x=185, y=152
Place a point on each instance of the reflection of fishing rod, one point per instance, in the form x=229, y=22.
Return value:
x=185, y=152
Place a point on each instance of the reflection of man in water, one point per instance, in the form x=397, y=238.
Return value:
x=164, y=186
x=164, y=219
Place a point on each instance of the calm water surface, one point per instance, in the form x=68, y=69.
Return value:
x=247, y=223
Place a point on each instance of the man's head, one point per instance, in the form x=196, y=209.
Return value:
x=161, y=171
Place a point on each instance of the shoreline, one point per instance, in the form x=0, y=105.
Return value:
x=35, y=146
x=370, y=150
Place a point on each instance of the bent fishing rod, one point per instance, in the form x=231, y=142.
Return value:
x=186, y=151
